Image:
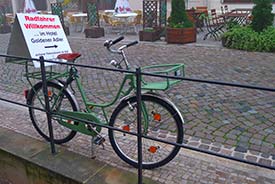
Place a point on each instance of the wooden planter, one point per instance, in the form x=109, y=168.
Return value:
x=5, y=29
x=94, y=32
x=150, y=36
x=181, y=35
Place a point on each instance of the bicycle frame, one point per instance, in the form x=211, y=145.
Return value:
x=121, y=93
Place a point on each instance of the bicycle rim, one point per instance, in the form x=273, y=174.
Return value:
x=163, y=123
x=39, y=118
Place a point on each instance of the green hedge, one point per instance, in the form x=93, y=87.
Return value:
x=245, y=38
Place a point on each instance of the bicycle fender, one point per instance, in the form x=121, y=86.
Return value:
x=152, y=94
x=39, y=85
x=168, y=101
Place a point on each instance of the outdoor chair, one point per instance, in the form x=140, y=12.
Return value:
x=203, y=9
x=111, y=23
x=74, y=22
x=224, y=9
x=216, y=19
x=139, y=12
x=136, y=23
x=214, y=27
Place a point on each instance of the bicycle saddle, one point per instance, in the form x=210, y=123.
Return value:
x=69, y=56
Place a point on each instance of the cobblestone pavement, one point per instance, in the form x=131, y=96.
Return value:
x=227, y=120
x=188, y=167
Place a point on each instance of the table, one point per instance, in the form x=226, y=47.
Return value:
x=234, y=15
x=242, y=10
x=109, y=11
x=82, y=17
x=125, y=19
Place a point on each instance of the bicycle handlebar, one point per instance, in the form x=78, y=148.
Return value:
x=132, y=43
x=109, y=43
x=117, y=40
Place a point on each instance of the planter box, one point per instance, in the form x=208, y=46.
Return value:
x=94, y=32
x=149, y=36
x=5, y=29
x=181, y=35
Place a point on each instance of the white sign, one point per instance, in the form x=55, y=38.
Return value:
x=44, y=36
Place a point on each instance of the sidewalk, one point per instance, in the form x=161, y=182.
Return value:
x=187, y=167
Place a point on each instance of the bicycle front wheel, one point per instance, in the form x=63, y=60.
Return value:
x=59, y=99
x=159, y=120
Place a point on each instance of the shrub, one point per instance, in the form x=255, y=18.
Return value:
x=262, y=15
x=245, y=38
x=179, y=18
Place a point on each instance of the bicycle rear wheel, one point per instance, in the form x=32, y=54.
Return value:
x=164, y=122
x=59, y=99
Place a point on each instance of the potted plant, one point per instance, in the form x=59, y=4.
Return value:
x=149, y=34
x=180, y=29
x=4, y=27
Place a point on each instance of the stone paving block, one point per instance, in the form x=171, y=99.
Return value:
x=241, y=149
x=265, y=161
x=238, y=155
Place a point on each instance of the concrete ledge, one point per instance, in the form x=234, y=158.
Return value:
x=24, y=160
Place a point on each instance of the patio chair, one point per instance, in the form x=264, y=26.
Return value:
x=203, y=9
x=214, y=27
x=224, y=9
x=139, y=12
x=136, y=23
x=74, y=22
x=111, y=23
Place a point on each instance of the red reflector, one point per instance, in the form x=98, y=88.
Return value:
x=157, y=117
x=153, y=149
x=126, y=128
x=69, y=121
x=49, y=93
x=26, y=92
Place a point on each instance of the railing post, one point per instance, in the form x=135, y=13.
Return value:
x=139, y=130
x=47, y=103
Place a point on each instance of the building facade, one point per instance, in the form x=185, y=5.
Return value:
x=137, y=4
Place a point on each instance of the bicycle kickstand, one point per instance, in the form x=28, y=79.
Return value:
x=93, y=156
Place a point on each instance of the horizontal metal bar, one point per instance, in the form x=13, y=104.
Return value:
x=21, y=104
x=246, y=86
x=70, y=64
x=211, y=82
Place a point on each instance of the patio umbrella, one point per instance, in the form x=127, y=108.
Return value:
x=122, y=6
x=29, y=7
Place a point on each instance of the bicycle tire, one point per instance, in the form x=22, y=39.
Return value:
x=61, y=133
x=161, y=128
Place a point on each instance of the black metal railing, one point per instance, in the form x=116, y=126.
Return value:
x=138, y=73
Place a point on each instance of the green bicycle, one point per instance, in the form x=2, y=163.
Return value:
x=160, y=117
